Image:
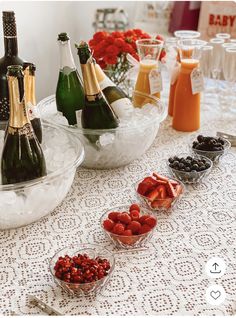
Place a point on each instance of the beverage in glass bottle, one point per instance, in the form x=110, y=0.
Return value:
x=30, y=99
x=118, y=100
x=149, y=78
x=10, y=58
x=186, y=116
x=22, y=156
x=69, y=92
x=96, y=113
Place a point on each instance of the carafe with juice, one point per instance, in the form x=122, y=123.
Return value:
x=186, y=115
x=180, y=34
x=148, y=80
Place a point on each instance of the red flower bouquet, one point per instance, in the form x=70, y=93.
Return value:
x=110, y=50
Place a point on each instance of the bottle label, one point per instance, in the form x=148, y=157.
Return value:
x=106, y=82
x=26, y=130
x=67, y=70
x=32, y=111
x=122, y=107
x=155, y=81
x=78, y=114
x=197, y=81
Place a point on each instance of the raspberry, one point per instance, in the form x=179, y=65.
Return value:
x=113, y=216
x=144, y=229
x=108, y=224
x=124, y=218
x=127, y=233
x=118, y=229
x=143, y=218
x=134, y=215
x=134, y=226
x=134, y=206
x=151, y=221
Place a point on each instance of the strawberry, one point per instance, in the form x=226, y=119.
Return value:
x=144, y=229
x=143, y=188
x=134, y=214
x=127, y=233
x=151, y=221
x=159, y=37
x=173, y=182
x=113, y=216
x=149, y=180
x=143, y=218
x=154, y=194
x=178, y=189
x=124, y=218
x=134, y=226
x=170, y=190
x=118, y=229
x=163, y=203
x=161, y=182
x=108, y=224
x=162, y=191
x=134, y=206
x=160, y=177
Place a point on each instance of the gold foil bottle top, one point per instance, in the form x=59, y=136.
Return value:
x=29, y=83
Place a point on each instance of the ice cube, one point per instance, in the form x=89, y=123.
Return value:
x=106, y=139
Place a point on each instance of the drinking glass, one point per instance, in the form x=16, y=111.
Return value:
x=149, y=49
x=206, y=67
x=224, y=36
x=216, y=57
x=187, y=34
x=229, y=71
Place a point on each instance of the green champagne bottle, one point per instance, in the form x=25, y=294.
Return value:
x=115, y=96
x=10, y=58
x=69, y=92
x=30, y=99
x=22, y=157
x=96, y=113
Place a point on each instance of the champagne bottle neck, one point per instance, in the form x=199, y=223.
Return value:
x=10, y=45
x=66, y=57
x=29, y=82
x=91, y=86
x=18, y=116
x=103, y=80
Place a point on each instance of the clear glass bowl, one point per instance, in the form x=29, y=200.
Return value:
x=114, y=147
x=191, y=177
x=213, y=155
x=163, y=204
x=92, y=250
x=128, y=242
x=26, y=202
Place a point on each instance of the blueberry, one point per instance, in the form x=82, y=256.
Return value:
x=181, y=165
x=200, y=138
x=220, y=140
x=187, y=169
x=195, y=144
x=193, y=171
x=171, y=159
x=207, y=165
x=195, y=166
x=189, y=158
x=176, y=163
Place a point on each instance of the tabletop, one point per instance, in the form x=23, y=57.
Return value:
x=167, y=278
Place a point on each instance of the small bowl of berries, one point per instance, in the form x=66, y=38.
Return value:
x=129, y=226
x=190, y=169
x=211, y=147
x=82, y=269
x=159, y=192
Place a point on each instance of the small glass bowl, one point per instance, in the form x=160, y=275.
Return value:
x=214, y=156
x=128, y=242
x=162, y=205
x=92, y=250
x=191, y=177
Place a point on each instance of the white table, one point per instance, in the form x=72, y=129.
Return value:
x=169, y=278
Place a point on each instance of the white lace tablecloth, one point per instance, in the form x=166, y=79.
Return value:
x=167, y=279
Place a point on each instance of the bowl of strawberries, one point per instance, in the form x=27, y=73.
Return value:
x=159, y=192
x=129, y=226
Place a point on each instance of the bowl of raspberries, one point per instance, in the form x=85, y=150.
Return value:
x=189, y=169
x=211, y=147
x=129, y=226
x=82, y=269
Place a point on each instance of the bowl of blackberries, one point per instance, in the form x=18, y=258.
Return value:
x=211, y=147
x=190, y=169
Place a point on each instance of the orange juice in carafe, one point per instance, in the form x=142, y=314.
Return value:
x=186, y=115
x=148, y=81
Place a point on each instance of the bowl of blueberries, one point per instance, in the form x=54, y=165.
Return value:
x=190, y=169
x=211, y=147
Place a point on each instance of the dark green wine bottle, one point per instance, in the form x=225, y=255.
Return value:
x=30, y=99
x=96, y=113
x=10, y=58
x=22, y=156
x=69, y=92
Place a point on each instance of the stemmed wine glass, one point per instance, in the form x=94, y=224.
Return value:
x=229, y=71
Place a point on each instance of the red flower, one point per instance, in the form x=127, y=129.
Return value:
x=102, y=64
x=101, y=35
x=110, y=59
x=129, y=33
x=119, y=42
x=159, y=37
x=110, y=40
x=117, y=34
x=145, y=36
x=138, y=32
x=112, y=50
x=92, y=43
x=127, y=48
x=135, y=55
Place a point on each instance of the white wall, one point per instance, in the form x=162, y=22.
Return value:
x=38, y=24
